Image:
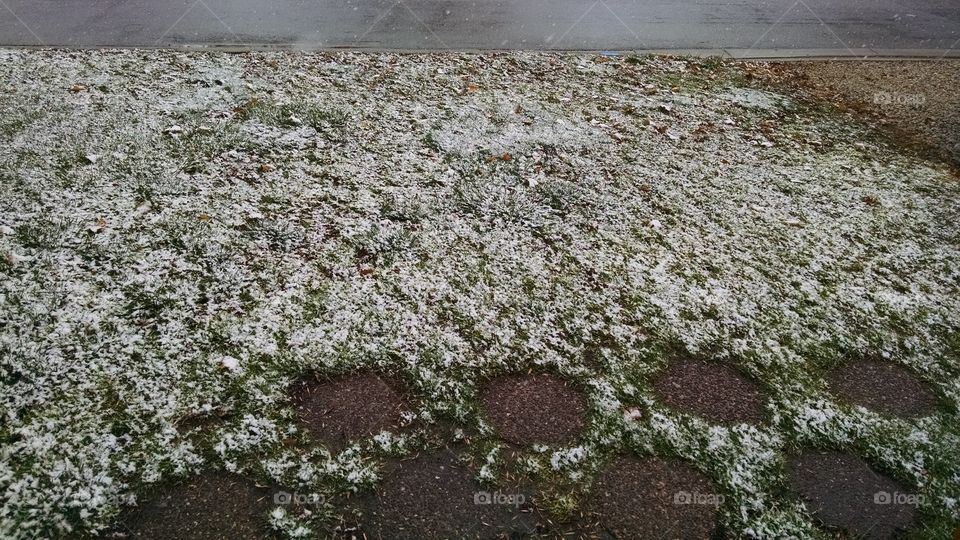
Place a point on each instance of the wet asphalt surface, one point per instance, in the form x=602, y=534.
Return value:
x=485, y=24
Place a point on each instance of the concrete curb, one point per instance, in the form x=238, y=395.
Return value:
x=732, y=53
x=841, y=54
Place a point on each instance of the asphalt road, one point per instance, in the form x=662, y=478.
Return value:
x=845, y=25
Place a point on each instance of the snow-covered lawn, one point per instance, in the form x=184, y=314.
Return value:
x=184, y=234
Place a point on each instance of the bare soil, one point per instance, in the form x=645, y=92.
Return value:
x=845, y=495
x=339, y=410
x=883, y=387
x=712, y=390
x=916, y=101
x=531, y=409
x=211, y=506
x=434, y=496
x=654, y=498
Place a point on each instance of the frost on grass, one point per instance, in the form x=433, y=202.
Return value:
x=187, y=233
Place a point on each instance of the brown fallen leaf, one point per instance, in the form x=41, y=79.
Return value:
x=99, y=226
x=243, y=110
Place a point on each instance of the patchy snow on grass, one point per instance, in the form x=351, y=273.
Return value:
x=184, y=234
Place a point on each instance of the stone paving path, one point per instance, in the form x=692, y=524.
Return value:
x=846, y=495
x=437, y=494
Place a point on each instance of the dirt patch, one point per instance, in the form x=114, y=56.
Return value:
x=534, y=409
x=845, y=494
x=712, y=390
x=342, y=409
x=209, y=506
x=884, y=387
x=201, y=424
x=914, y=99
x=434, y=496
x=654, y=498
